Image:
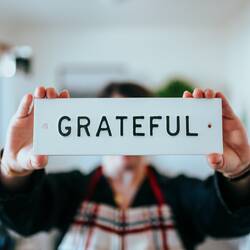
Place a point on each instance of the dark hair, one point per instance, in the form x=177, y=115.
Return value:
x=126, y=89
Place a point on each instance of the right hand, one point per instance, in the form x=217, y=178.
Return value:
x=18, y=158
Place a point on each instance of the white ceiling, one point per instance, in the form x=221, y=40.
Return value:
x=141, y=13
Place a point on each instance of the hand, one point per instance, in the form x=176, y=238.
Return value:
x=18, y=158
x=236, y=156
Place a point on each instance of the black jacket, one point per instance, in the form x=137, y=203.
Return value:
x=199, y=207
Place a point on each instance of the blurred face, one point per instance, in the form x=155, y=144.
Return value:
x=115, y=165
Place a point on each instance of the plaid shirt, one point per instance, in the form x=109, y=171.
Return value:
x=103, y=227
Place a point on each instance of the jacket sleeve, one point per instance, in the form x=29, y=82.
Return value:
x=207, y=206
x=48, y=201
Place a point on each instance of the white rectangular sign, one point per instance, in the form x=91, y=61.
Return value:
x=127, y=126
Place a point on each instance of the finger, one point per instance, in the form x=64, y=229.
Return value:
x=216, y=161
x=187, y=94
x=40, y=92
x=64, y=94
x=198, y=93
x=25, y=106
x=38, y=161
x=209, y=93
x=51, y=93
x=226, y=108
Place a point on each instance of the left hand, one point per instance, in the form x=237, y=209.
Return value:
x=236, y=156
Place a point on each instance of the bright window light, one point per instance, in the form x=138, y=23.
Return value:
x=7, y=66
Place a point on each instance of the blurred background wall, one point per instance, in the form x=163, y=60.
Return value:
x=83, y=45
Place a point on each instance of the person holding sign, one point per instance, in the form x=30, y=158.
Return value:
x=125, y=203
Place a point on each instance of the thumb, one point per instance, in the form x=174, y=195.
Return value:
x=25, y=106
x=226, y=108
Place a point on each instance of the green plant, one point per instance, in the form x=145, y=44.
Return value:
x=174, y=88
